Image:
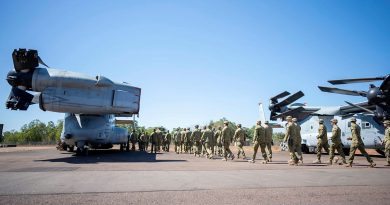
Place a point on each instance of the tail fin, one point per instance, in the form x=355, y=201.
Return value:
x=261, y=112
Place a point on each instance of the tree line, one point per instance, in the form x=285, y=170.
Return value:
x=37, y=132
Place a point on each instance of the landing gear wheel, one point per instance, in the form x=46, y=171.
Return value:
x=71, y=148
x=121, y=147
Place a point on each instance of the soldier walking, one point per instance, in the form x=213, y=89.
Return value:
x=290, y=138
x=183, y=141
x=168, y=138
x=239, y=138
x=298, y=141
x=177, y=139
x=336, y=144
x=259, y=140
x=386, y=141
x=154, y=141
x=226, y=139
x=322, y=141
x=207, y=138
x=218, y=137
x=268, y=139
x=196, y=139
x=357, y=143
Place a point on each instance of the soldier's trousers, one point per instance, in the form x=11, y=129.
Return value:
x=269, y=149
x=226, y=150
x=197, y=148
x=322, y=144
x=153, y=148
x=177, y=146
x=333, y=147
x=209, y=149
x=353, y=149
x=387, y=151
x=240, y=146
x=298, y=150
x=262, y=148
x=292, y=149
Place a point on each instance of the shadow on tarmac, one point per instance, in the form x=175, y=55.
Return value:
x=109, y=156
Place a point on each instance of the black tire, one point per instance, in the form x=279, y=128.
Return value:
x=305, y=149
x=381, y=152
x=121, y=147
x=71, y=148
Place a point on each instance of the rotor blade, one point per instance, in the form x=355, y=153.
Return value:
x=280, y=95
x=291, y=112
x=18, y=99
x=290, y=99
x=41, y=62
x=385, y=84
x=354, y=80
x=342, y=91
x=360, y=107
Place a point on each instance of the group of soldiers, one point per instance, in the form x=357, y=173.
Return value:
x=210, y=142
x=293, y=139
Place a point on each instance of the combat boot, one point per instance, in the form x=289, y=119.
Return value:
x=330, y=162
x=232, y=156
x=372, y=165
x=336, y=160
x=264, y=162
x=348, y=165
x=251, y=161
x=317, y=161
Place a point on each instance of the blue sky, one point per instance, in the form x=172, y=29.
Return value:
x=201, y=60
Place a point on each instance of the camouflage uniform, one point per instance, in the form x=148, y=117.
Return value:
x=336, y=143
x=322, y=141
x=142, y=142
x=147, y=137
x=290, y=138
x=298, y=141
x=268, y=139
x=188, y=142
x=183, y=140
x=133, y=139
x=154, y=141
x=226, y=139
x=357, y=143
x=218, y=137
x=386, y=141
x=196, y=137
x=239, y=138
x=207, y=139
x=259, y=140
x=177, y=138
x=159, y=140
x=167, y=140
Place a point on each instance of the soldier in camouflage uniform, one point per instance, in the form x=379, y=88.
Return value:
x=147, y=137
x=336, y=144
x=226, y=139
x=218, y=137
x=188, y=141
x=259, y=140
x=357, y=143
x=167, y=140
x=177, y=138
x=159, y=139
x=322, y=142
x=142, y=142
x=183, y=141
x=290, y=138
x=133, y=139
x=196, y=137
x=386, y=141
x=268, y=139
x=298, y=141
x=207, y=140
x=239, y=138
x=154, y=141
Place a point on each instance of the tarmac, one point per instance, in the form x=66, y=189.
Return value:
x=49, y=176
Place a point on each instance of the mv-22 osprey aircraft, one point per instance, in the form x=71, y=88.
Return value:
x=308, y=118
x=91, y=105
